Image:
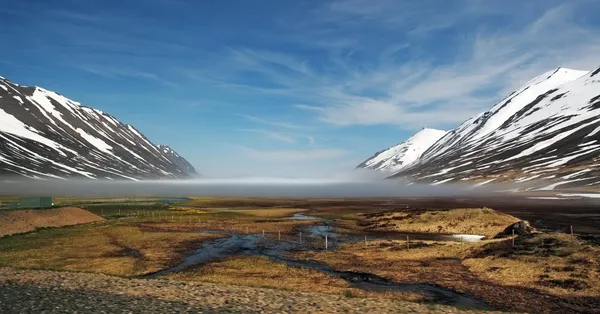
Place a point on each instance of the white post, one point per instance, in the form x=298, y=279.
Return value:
x=365, y=242
x=572, y=235
x=513, y=237
x=325, y=242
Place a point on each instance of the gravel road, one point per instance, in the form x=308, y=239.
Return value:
x=37, y=291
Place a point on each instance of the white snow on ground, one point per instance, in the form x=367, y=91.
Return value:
x=397, y=157
x=441, y=182
x=525, y=179
x=468, y=237
x=575, y=174
x=12, y=125
x=7, y=161
x=484, y=182
x=98, y=143
x=18, y=98
x=554, y=185
x=38, y=157
x=534, y=88
x=546, y=198
x=590, y=195
x=63, y=101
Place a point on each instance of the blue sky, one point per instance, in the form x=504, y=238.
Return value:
x=290, y=88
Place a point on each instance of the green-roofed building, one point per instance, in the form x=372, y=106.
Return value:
x=36, y=202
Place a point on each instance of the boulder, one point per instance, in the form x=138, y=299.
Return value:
x=521, y=228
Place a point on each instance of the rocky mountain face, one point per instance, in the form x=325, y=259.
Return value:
x=177, y=160
x=402, y=155
x=47, y=136
x=545, y=134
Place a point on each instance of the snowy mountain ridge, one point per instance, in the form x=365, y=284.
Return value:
x=46, y=135
x=545, y=134
x=400, y=156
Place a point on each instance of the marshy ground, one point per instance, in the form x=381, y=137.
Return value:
x=549, y=271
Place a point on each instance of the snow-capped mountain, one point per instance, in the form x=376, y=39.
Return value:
x=177, y=160
x=546, y=134
x=45, y=135
x=400, y=156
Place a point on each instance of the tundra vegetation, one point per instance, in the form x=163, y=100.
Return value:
x=546, y=271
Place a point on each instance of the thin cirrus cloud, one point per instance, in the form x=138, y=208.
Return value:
x=278, y=136
x=287, y=156
x=407, y=89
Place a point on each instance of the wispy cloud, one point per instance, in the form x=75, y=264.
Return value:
x=278, y=136
x=395, y=83
x=271, y=123
x=288, y=156
x=112, y=72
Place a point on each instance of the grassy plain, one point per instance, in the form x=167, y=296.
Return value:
x=544, y=272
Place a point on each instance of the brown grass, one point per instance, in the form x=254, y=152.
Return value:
x=511, y=278
x=256, y=271
x=21, y=221
x=111, y=249
x=481, y=221
x=553, y=263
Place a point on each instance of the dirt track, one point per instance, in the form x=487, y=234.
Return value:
x=21, y=221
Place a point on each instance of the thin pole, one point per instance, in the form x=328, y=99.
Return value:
x=279, y=235
x=325, y=242
x=407, y=243
x=572, y=235
x=513, y=237
x=300, y=237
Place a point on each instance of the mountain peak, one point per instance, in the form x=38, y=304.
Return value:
x=546, y=132
x=46, y=135
x=397, y=157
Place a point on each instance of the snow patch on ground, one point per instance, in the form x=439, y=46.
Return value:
x=589, y=195
x=468, y=237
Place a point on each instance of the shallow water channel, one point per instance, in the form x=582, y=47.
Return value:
x=255, y=244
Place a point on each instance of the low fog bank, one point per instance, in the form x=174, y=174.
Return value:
x=243, y=187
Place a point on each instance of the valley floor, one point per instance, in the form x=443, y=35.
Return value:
x=247, y=255
x=34, y=291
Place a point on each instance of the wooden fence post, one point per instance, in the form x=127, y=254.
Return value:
x=513, y=237
x=279, y=235
x=572, y=235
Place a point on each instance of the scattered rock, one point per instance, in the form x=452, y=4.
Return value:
x=521, y=228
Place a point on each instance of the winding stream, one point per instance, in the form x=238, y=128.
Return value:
x=254, y=244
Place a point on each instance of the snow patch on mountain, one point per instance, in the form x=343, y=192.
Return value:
x=46, y=135
x=542, y=133
x=397, y=157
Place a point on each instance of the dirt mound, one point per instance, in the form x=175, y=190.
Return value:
x=480, y=221
x=21, y=221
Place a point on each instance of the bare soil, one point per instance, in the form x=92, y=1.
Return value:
x=23, y=221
